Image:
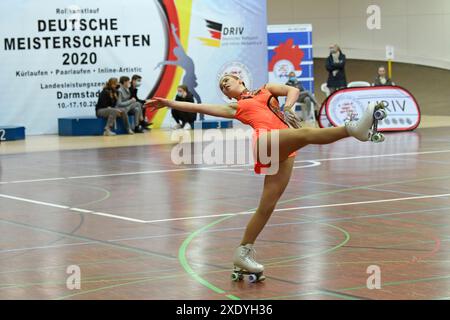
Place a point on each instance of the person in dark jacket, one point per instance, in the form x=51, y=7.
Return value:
x=181, y=117
x=136, y=81
x=335, y=65
x=105, y=107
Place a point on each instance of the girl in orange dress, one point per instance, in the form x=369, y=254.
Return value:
x=255, y=109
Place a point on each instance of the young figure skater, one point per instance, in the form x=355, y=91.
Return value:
x=252, y=108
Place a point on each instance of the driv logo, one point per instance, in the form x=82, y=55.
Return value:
x=218, y=33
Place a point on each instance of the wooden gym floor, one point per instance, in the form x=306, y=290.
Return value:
x=135, y=225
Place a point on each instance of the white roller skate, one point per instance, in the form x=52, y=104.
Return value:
x=366, y=127
x=245, y=264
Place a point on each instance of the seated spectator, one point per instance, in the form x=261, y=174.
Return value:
x=128, y=104
x=105, y=107
x=382, y=79
x=181, y=117
x=305, y=96
x=135, y=84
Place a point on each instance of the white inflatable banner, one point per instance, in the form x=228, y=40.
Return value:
x=402, y=108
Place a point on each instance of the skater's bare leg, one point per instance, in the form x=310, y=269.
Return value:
x=290, y=140
x=274, y=186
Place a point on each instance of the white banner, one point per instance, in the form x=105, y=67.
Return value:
x=402, y=108
x=56, y=55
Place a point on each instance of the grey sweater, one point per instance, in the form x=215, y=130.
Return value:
x=123, y=97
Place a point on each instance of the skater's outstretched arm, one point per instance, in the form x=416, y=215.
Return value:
x=217, y=110
x=291, y=93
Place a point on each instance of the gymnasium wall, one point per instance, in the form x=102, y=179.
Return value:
x=419, y=30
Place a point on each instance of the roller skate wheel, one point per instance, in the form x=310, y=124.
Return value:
x=252, y=278
x=236, y=276
x=380, y=114
x=378, y=137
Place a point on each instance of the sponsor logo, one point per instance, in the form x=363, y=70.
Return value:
x=215, y=31
x=218, y=33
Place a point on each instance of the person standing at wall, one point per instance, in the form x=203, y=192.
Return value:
x=335, y=65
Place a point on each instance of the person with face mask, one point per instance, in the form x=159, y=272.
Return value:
x=335, y=65
x=136, y=81
x=128, y=104
x=382, y=79
x=181, y=117
x=305, y=96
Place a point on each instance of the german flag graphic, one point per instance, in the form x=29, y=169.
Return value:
x=215, y=29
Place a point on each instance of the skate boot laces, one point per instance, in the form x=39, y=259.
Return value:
x=248, y=255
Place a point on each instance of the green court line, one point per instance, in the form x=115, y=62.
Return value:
x=314, y=293
x=112, y=286
x=100, y=278
x=211, y=272
x=294, y=258
x=359, y=223
x=181, y=275
x=101, y=242
x=178, y=275
x=78, y=264
x=338, y=295
x=5, y=285
x=141, y=281
x=139, y=258
x=144, y=279
x=231, y=296
x=185, y=264
x=436, y=225
x=386, y=284
x=391, y=246
x=182, y=251
x=345, y=189
x=368, y=262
